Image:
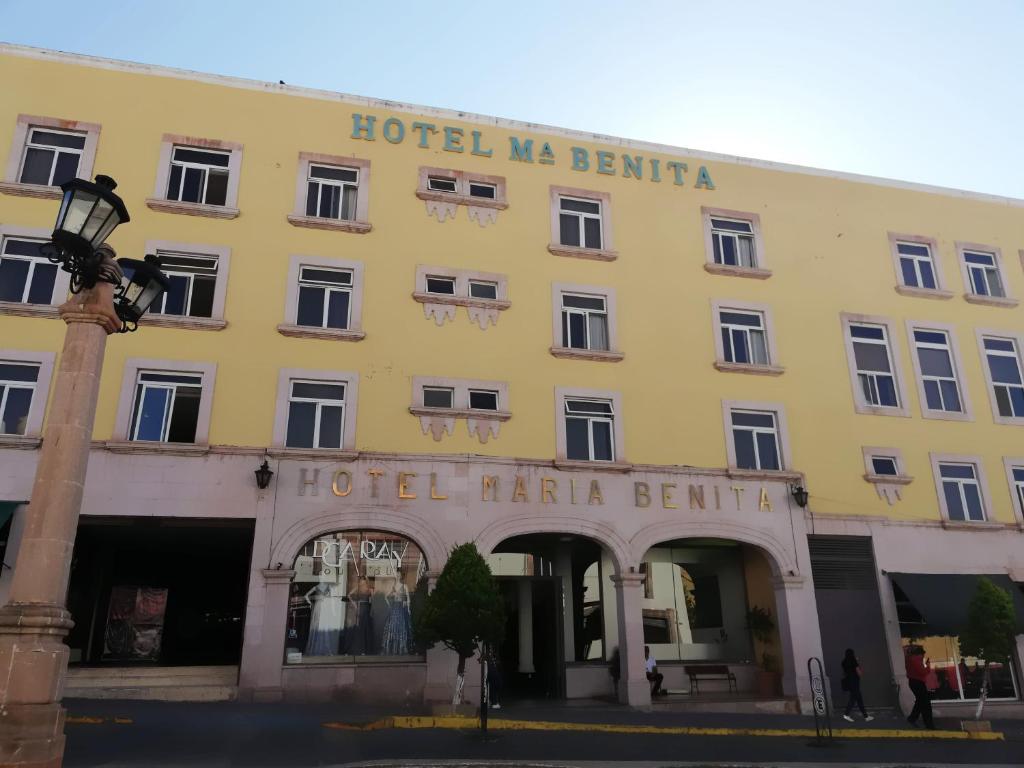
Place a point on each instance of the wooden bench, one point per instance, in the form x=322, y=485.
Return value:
x=696, y=673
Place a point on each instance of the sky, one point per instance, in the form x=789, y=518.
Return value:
x=930, y=91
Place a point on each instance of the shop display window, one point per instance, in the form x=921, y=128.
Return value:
x=353, y=597
x=952, y=677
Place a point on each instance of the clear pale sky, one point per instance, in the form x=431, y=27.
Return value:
x=923, y=90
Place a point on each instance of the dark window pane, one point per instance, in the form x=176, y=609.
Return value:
x=912, y=250
x=927, y=274
x=592, y=231
x=741, y=318
x=974, y=509
x=1000, y=345
x=1017, y=400
x=950, y=395
x=150, y=412
x=13, y=274
x=583, y=206
x=332, y=276
x=441, y=185
x=883, y=466
x=330, y=201
x=1003, y=401
x=19, y=247
x=886, y=391
x=337, y=174
x=300, y=425
x=935, y=362
x=18, y=372
x=43, y=278
x=739, y=347
x=173, y=183
x=185, y=415
x=437, y=398
x=602, y=440
x=53, y=139
x=1004, y=369
x=747, y=419
x=482, y=190
x=577, y=441
x=217, y=188
x=202, y=296
x=726, y=346
x=589, y=406
x=172, y=378
x=930, y=337
x=569, y=229
x=36, y=169
x=577, y=331
x=199, y=156
x=311, y=307
x=728, y=248
x=174, y=303
x=337, y=309
x=909, y=273
x=192, y=188
x=583, y=302
x=962, y=471
x=15, y=415
x=67, y=168
x=717, y=247
x=443, y=285
x=483, y=290
x=867, y=332
x=330, y=426
x=732, y=226
x=318, y=391
x=565, y=329
x=485, y=401
x=311, y=191
x=768, y=451
x=744, y=449
x=931, y=395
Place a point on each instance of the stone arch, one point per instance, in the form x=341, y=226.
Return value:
x=783, y=560
x=602, y=533
x=294, y=538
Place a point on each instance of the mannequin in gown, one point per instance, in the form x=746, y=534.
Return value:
x=360, y=632
x=398, y=626
x=326, y=620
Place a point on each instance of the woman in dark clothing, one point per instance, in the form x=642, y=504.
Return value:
x=851, y=683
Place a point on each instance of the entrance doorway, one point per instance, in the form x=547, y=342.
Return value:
x=531, y=663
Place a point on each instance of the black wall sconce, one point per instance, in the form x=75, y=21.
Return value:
x=800, y=495
x=263, y=475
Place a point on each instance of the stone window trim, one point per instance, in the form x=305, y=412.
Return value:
x=781, y=425
x=132, y=367
x=216, y=320
x=290, y=328
x=761, y=271
x=562, y=461
x=443, y=205
x=159, y=201
x=1018, y=339
x=974, y=298
x=607, y=252
x=612, y=354
x=940, y=291
x=61, y=283
x=37, y=410
x=980, y=476
x=348, y=437
x=958, y=368
x=1009, y=464
x=361, y=224
x=900, y=478
x=848, y=318
x=441, y=307
x=773, y=368
x=481, y=423
x=10, y=184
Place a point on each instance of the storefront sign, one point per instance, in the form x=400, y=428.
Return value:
x=524, y=149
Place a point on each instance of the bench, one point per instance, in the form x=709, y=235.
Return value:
x=696, y=673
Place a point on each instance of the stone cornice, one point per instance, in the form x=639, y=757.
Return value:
x=451, y=197
x=28, y=310
x=595, y=355
x=43, y=191
x=336, y=225
x=594, y=254
x=192, y=209
x=331, y=334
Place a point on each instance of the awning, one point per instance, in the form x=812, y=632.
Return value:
x=942, y=599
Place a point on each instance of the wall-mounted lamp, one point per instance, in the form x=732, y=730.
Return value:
x=263, y=475
x=800, y=495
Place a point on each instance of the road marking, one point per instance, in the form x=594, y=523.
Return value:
x=544, y=725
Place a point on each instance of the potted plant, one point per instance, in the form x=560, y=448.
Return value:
x=761, y=629
x=989, y=636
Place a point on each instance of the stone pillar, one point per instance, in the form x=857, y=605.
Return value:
x=563, y=567
x=526, y=627
x=264, y=668
x=799, y=635
x=258, y=619
x=634, y=689
x=34, y=622
x=894, y=642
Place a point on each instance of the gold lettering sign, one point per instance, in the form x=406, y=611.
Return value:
x=666, y=496
x=374, y=474
x=642, y=494
x=572, y=490
x=519, y=494
x=490, y=483
x=763, y=503
x=403, y=485
x=548, y=489
x=336, y=487
x=738, y=490
x=304, y=481
x=718, y=499
x=433, y=488
x=595, y=493
x=696, y=496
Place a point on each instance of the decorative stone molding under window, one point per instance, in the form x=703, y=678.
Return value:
x=28, y=310
x=593, y=466
x=437, y=421
x=888, y=486
x=765, y=474
x=192, y=209
x=184, y=321
x=573, y=252
x=757, y=370
x=308, y=332
x=727, y=269
x=483, y=312
x=976, y=525
x=597, y=355
x=444, y=205
x=163, y=449
x=315, y=454
x=992, y=301
x=337, y=225
x=923, y=293
x=43, y=191
x=20, y=442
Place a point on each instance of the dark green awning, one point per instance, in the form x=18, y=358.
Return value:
x=942, y=599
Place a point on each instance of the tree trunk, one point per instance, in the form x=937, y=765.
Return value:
x=984, y=693
x=460, y=682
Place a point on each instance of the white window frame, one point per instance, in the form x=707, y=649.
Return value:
x=206, y=169
x=940, y=291
x=613, y=353
x=15, y=159
x=462, y=180
x=329, y=289
x=1017, y=339
x=581, y=220
x=285, y=377
x=343, y=186
x=998, y=266
x=860, y=403
x=871, y=452
x=591, y=418
x=290, y=327
x=606, y=252
x=1016, y=487
x=460, y=389
x=61, y=283
x=360, y=223
x=160, y=201
x=937, y=460
x=145, y=386
x=40, y=395
x=442, y=306
x=781, y=436
x=29, y=144
x=319, y=403
x=760, y=269
x=618, y=430
x=130, y=377
x=953, y=348
x=769, y=368
x=216, y=319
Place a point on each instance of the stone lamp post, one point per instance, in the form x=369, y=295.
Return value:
x=35, y=621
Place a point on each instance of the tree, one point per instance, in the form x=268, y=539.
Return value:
x=464, y=611
x=989, y=631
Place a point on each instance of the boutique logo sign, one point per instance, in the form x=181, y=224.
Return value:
x=529, y=150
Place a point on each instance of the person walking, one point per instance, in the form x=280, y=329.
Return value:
x=851, y=684
x=917, y=676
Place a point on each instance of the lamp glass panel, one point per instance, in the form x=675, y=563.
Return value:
x=77, y=211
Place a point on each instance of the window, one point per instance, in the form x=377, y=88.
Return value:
x=198, y=176
x=483, y=190
x=438, y=397
x=584, y=322
x=483, y=289
x=316, y=415
x=937, y=372
x=438, y=402
x=588, y=430
x=325, y=297
x=756, y=440
x=884, y=465
x=331, y=192
x=873, y=359
x=26, y=276
x=579, y=222
x=1003, y=369
x=1015, y=475
x=983, y=274
x=440, y=290
x=442, y=285
x=193, y=280
x=443, y=190
x=18, y=383
x=435, y=184
x=483, y=400
x=733, y=243
x=916, y=266
x=166, y=407
x=743, y=337
x=883, y=468
x=961, y=492
x=51, y=156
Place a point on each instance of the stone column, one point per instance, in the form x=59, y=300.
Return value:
x=269, y=656
x=526, y=627
x=634, y=689
x=799, y=635
x=257, y=617
x=34, y=622
x=563, y=567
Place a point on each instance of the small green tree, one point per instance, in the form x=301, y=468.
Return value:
x=989, y=631
x=464, y=610
x=761, y=626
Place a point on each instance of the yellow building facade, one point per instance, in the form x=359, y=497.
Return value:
x=599, y=359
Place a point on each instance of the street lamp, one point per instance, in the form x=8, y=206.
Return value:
x=33, y=624
x=800, y=495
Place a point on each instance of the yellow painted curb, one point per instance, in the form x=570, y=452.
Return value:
x=459, y=723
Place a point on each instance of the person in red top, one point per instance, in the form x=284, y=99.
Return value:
x=917, y=674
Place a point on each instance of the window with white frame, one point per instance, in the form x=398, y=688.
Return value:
x=885, y=466
x=589, y=429
x=18, y=383
x=324, y=297
x=192, y=283
x=744, y=338
x=584, y=322
x=1017, y=477
x=873, y=358
x=483, y=399
x=732, y=241
x=983, y=274
x=961, y=491
x=938, y=374
x=1003, y=360
x=166, y=407
x=579, y=222
x=438, y=397
x=198, y=175
x=755, y=437
x=316, y=414
x=483, y=289
x=441, y=284
x=442, y=184
x=462, y=185
x=917, y=267
x=51, y=156
x=332, y=192
x=483, y=189
x=26, y=276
